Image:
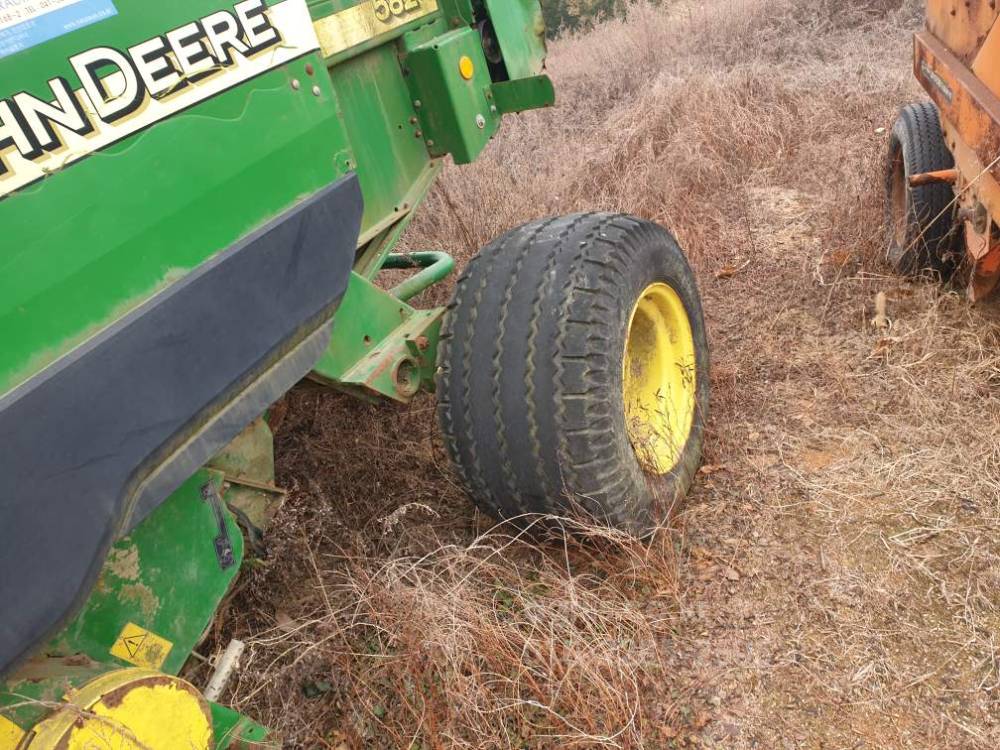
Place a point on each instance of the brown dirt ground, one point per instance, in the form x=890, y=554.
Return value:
x=834, y=581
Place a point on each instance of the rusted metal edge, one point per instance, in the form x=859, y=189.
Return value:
x=963, y=99
x=948, y=176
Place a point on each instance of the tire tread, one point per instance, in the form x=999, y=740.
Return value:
x=526, y=374
x=930, y=238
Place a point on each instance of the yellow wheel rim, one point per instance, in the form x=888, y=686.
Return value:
x=129, y=709
x=659, y=378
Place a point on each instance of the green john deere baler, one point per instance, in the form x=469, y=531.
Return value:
x=197, y=198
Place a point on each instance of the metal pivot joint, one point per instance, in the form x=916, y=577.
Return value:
x=222, y=542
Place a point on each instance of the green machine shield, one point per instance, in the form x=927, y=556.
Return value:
x=138, y=146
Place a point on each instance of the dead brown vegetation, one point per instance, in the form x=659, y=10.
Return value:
x=834, y=581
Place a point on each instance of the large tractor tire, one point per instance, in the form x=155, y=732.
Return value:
x=573, y=373
x=920, y=220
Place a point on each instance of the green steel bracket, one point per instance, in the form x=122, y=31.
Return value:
x=520, y=29
x=380, y=345
x=437, y=266
x=457, y=12
x=402, y=363
x=523, y=94
x=456, y=115
x=250, y=492
x=233, y=730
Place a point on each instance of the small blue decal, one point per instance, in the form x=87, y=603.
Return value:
x=26, y=23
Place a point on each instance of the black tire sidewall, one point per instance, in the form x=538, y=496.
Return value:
x=531, y=370
x=896, y=254
x=930, y=245
x=660, y=259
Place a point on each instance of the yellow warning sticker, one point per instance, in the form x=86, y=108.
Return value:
x=141, y=647
x=10, y=734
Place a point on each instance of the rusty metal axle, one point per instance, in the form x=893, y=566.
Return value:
x=948, y=176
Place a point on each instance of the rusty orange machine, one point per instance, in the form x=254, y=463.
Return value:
x=943, y=171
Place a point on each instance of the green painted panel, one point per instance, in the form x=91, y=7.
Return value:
x=165, y=577
x=322, y=8
x=524, y=94
x=237, y=731
x=520, y=29
x=382, y=126
x=100, y=235
x=456, y=112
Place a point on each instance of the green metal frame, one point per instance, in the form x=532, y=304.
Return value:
x=384, y=347
x=409, y=99
x=436, y=266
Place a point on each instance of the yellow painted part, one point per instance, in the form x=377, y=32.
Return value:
x=659, y=378
x=141, y=647
x=961, y=24
x=10, y=734
x=987, y=62
x=368, y=20
x=466, y=67
x=129, y=709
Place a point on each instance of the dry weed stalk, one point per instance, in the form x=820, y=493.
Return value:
x=464, y=647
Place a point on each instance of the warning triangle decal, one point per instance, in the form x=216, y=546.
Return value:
x=133, y=643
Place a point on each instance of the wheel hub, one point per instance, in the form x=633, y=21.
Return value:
x=129, y=709
x=659, y=378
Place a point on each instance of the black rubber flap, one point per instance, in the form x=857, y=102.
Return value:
x=78, y=441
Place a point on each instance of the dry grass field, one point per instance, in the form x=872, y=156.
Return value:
x=833, y=581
